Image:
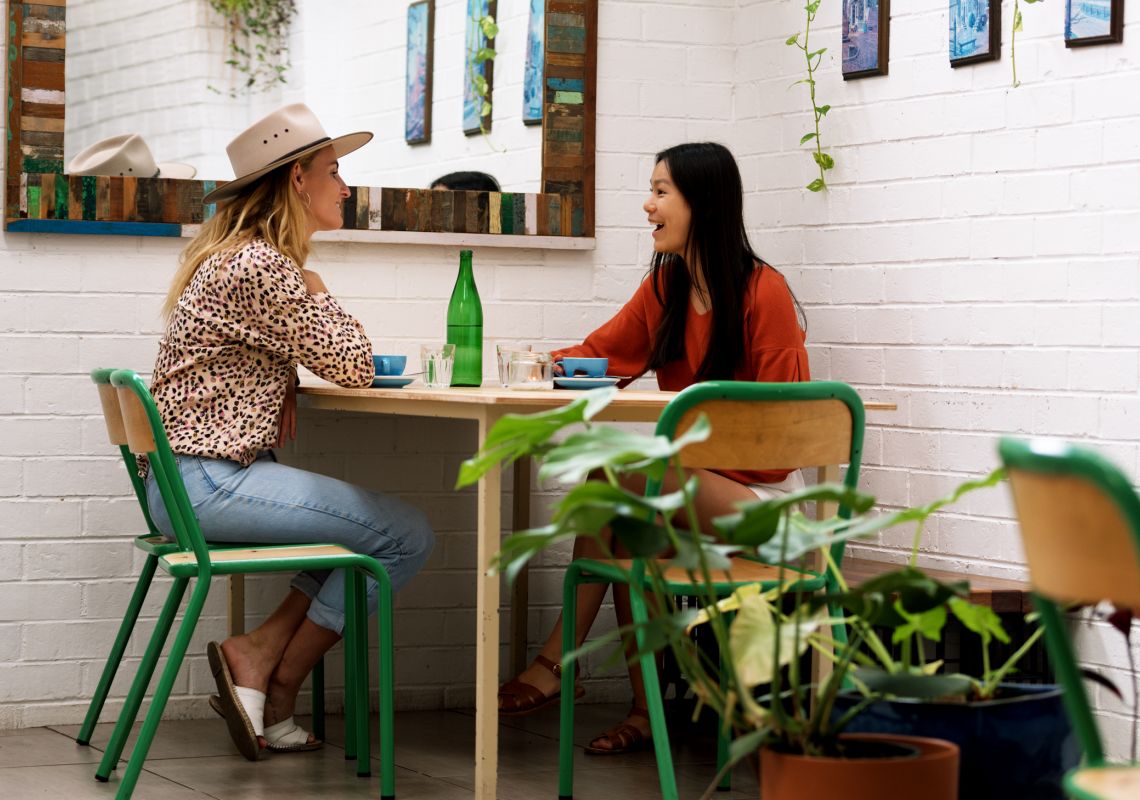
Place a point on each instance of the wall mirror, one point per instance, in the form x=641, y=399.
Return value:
x=84, y=70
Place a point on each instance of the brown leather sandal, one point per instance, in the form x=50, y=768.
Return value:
x=626, y=738
x=517, y=699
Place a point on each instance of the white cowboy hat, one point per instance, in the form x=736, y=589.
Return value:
x=283, y=136
x=128, y=156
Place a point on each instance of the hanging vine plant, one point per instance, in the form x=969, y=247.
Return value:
x=822, y=160
x=257, y=32
x=1013, y=38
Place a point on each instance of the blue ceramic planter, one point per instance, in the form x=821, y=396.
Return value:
x=1016, y=746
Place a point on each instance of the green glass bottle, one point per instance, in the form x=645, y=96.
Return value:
x=465, y=326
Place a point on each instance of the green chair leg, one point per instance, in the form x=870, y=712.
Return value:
x=384, y=622
x=566, y=706
x=350, y=578
x=162, y=691
x=317, y=687
x=363, y=704
x=115, y=657
x=653, y=699
x=142, y=680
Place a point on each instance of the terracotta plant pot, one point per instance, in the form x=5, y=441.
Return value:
x=928, y=773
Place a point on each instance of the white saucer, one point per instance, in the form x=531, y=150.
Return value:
x=390, y=381
x=585, y=383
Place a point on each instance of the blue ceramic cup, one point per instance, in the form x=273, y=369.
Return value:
x=584, y=367
x=389, y=365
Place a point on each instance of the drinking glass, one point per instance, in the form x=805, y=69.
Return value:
x=530, y=371
x=436, y=361
x=503, y=353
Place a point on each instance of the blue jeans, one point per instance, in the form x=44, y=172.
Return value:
x=271, y=503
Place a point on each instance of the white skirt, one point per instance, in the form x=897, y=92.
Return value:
x=767, y=491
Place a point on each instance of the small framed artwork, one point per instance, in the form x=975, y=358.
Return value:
x=417, y=90
x=866, y=38
x=1093, y=22
x=477, y=74
x=532, y=76
x=975, y=31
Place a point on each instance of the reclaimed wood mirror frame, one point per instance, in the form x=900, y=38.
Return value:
x=40, y=197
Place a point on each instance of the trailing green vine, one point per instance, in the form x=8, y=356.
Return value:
x=482, y=56
x=813, y=58
x=258, y=34
x=1013, y=38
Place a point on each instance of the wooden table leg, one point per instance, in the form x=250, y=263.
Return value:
x=520, y=592
x=236, y=606
x=487, y=628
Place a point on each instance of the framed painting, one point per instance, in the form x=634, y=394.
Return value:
x=866, y=36
x=532, y=75
x=1093, y=22
x=417, y=90
x=975, y=31
x=478, y=73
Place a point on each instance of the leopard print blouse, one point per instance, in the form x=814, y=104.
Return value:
x=231, y=347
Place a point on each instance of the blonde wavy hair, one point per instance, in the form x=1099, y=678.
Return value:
x=269, y=208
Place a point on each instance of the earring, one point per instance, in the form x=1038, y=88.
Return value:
x=308, y=200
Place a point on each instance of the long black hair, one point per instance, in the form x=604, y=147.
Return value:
x=706, y=175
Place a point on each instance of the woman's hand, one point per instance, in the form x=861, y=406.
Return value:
x=313, y=282
x=287, y=425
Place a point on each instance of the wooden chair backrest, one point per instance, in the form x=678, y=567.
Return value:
x=1078, y=544
x=140, y=437
x=771, y=435
x=112, y=415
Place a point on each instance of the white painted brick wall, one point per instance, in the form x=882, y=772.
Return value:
x=975, y=261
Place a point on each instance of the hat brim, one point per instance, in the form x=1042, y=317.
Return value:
x=172, y=169
x=341, y=145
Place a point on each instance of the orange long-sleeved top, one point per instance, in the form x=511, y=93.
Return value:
x=774, y=344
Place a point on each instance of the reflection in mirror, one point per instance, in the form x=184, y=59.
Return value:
x=157, y=68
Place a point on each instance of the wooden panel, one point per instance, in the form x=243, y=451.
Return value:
x=140, y=438
x=773, y=435
x=1001, y=594
x=263, y=554
x=1115, y=782
x=742, y=570
x=112, y=414
x=1078, y=545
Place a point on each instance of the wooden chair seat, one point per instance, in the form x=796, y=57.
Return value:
x=743, y=570
x=248, y=559
x=1108, y=782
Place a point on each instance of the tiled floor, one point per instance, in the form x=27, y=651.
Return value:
x=194, y=759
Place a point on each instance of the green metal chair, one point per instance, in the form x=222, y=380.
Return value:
x=155, y=545
x=1080, y=524
x=755, y=426
x=193, y=558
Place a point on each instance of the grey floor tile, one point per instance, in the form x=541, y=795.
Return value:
x=76, y=782
x=297, y=776
x=36, y=747
x=184, y=738
x=630, y=782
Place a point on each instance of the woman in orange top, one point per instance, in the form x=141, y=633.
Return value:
x=711, y=309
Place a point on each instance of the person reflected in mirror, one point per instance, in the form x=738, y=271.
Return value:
x=242, y=313
x=467, y=180
x=710, y=308
x=126, y=156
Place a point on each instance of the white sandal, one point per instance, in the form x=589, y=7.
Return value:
x=289, y=737
x=242, y=707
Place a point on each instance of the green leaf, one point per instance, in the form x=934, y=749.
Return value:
x=643, y=539
x=756, y=520
x=484, y=54
x=688, y=555
x=817, y=185
x=745, y=745
x=488, y=26
x=793, y=39
x=818, y=52
x=980, y=619
x=822, y=110
x=1016, y=20
x=752, y=640
x=801, y=80
x=516, y=435
x=624, y=450
x=485, y=111
x=807, y=137
x=909, y=684
x=481, y=85
x=928, y=624
x=823, y=159
x=812, y=7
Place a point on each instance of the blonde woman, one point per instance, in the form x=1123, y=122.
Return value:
x=242, y=313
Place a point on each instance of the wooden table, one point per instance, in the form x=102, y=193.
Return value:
x=485, y=406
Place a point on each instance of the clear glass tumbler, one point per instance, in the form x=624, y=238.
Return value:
x=503, y=353
x=437, y=361
x=530, y=371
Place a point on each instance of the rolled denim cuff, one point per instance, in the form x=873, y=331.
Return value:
x=307, y=584
x=326, y=616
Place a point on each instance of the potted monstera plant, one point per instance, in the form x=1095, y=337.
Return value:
x=757, y=687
